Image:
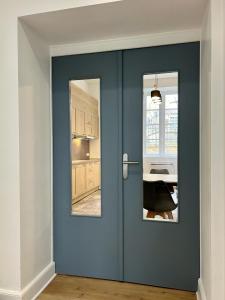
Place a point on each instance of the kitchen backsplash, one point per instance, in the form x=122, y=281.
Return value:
x=80, y=148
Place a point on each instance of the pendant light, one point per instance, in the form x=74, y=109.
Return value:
x=155, y=93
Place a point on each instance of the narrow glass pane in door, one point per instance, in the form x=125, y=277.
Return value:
x=160, y=147
x=85, y=147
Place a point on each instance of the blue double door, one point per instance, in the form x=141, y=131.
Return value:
x=120, y=245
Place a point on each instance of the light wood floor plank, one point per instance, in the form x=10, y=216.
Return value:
x=73, y=288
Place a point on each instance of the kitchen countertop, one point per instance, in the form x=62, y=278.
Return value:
x=85, y=161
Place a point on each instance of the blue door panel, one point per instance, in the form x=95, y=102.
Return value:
x=88, y=246
x=161, y=253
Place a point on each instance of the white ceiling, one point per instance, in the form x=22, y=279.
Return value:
x=161, y=75
x=91, y=86
x=117, y=19
x=164, y=80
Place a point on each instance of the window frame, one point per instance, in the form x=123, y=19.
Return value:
x=162, y=110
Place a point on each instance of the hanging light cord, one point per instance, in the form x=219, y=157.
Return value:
x=156, y=82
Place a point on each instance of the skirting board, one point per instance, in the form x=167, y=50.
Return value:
x=201, y=291
x=34, y=288
x=9, y=295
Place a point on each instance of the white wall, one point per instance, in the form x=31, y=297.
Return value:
x=212, y=281
x=205, y=154
x=9, y=158
x=217, y=150
x=35, y=154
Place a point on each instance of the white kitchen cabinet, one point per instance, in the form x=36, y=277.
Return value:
x=73, y=182
x=84, y=113
x=80, y=182
x=85, y=179
x=95, y=130
x=90, y=180
x=79, y=121
x=96, y=174
x=88, y=123
x=72, y=120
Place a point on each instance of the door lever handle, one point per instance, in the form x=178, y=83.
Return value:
x=126, y=163
x=130, y=162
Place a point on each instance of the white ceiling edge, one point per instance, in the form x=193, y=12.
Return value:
x=138, y=41
x=70, y=5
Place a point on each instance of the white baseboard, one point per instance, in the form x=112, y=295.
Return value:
x=38, y=284
x=201, y=291
x=9, y=295
x=34, y=288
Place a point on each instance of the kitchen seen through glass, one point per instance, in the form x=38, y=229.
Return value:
x=85, y=147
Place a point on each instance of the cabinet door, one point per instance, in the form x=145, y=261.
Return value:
x=95, y=125
x=79, y=121
x=72, y=119
x=90, y=181
x=80, y=180
x=73, y=182
x=88, y=123
x=96, y=172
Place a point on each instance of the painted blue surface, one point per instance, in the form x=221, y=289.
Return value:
x=120, y=245
x=160, y=253
x=88, y=246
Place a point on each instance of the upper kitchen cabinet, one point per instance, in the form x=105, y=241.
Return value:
x=95, y=122
x=88, y=123
x=80, y=121
x=84, y=113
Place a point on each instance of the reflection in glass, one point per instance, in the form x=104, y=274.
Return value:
x=160, y=148
x=85, y=147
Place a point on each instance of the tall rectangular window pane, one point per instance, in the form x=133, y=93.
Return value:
x=160, y=148
x=85, y=147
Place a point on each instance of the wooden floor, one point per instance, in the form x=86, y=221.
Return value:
x=71, y=288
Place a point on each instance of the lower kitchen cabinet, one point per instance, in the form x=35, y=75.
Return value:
x=85, y=179
x=80, y=184
x=73, y=182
